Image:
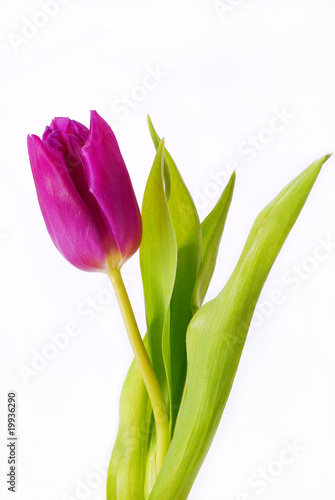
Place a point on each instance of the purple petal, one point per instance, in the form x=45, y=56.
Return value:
x=108, y=180
x=48, y=130
x=69, y=146
x=69, y=127
x=79, y=130
x=60, y=124
x=70, y=223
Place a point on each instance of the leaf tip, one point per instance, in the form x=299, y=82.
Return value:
x=326, y=157
x=232, y=178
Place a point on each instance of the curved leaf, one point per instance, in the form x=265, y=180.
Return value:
x=158, y=259
x=212, y=228
x=186, y=227
x=216, y=337
x=127, y=468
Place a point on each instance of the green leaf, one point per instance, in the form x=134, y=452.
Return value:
x=212, y=228
x=158, y=259
x=216, y=336
x=127, y=469
x=186, y=227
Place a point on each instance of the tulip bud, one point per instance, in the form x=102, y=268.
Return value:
x=85, y=193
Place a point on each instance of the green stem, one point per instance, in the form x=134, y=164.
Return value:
x=146, y=368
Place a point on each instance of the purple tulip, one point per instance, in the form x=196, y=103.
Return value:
x=85, y=193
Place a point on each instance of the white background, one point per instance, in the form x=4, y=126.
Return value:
x=223, y=71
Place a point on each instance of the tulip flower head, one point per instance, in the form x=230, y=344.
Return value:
x=85, y=193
